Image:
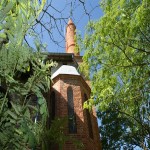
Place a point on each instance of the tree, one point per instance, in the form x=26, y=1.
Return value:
x=117, y=53
x=24, y=78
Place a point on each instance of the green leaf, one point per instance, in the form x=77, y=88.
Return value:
x=27, y=113
x=40, y=100
x=31, y=140
x=12, y=114
x=43, y=109
x=3, y=35
x=16, y=108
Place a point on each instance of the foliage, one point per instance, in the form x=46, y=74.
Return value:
x=119, y=129
x=118, y=56
x=54, y=138
x=24, y=77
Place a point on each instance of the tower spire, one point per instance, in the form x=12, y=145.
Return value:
x=70, y=37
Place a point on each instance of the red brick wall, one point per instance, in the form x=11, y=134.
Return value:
x=79, y=86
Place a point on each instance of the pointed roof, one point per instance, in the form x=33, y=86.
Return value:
x=70, y=22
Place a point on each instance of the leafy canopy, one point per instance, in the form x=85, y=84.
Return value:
x=117, y=53
x=23, y=80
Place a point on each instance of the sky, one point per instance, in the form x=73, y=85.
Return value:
x=65, y=9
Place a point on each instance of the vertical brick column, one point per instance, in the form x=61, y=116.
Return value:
x=79, y=87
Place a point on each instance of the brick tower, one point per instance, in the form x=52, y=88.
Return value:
x=68, y=93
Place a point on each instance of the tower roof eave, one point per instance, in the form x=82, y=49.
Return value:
x=67, y=70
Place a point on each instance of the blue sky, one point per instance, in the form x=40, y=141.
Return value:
x=69, y=9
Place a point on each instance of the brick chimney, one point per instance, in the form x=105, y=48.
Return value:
x=70, y=38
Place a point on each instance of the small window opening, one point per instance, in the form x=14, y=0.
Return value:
x=71, y=114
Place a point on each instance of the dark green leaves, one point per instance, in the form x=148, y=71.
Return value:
x=23, y=75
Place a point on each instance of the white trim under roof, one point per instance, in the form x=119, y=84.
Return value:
x=65, y=69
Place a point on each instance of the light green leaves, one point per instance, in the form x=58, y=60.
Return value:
x=117, y=48
x=89, y=104
x=117, y=53
x=16, y=17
